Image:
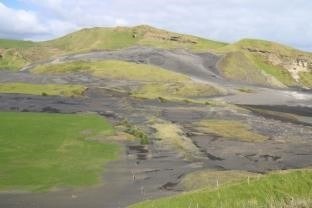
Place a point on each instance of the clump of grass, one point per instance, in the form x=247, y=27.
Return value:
x=44, y=89
x=230, y=129
x=42, y=151
x=136, y=132
x=172, y=135
x=274, y=190
x=245, y=90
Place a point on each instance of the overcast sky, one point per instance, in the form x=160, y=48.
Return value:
x=288, y=22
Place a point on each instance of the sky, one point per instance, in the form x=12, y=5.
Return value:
x=284, y=21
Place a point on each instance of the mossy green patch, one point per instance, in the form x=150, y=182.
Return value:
x=42, y=89
x=230, y=129
x=274, y=190
x=42, y=151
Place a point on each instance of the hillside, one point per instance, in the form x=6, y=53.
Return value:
x=250, y=61
x=277, y=64
x=123, y=37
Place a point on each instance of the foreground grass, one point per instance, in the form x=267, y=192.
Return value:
x=42, y=151
x=276, y=190
x=230, y=129
x=45, y=90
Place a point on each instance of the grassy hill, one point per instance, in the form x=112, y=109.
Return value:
x=266, y=63
x=250, y=61
x=123, y=37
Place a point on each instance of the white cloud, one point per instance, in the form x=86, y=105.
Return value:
x=226, y=20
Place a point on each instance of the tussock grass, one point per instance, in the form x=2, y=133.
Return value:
x=42, y=89
x=41, y=151
x=275, y=190
x=230, y=129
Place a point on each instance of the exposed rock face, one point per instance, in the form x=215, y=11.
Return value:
x=293, y=64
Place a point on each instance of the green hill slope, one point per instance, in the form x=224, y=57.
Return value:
x=277, y=64
x=249, y=61
x=288, y=189
x=123, y=37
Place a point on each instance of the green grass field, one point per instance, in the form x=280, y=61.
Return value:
x=45, y=90
x=288, y=189
x=42, y=151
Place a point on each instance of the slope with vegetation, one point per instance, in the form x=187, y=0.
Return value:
x=250, y=61
x=266, y=63
x=288, y=189
x=174, y=86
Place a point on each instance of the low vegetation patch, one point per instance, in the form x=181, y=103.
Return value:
x=306, y=79
x=276, y=190
x=238, y=66
x=41, y=151
x=11, y=59
x=279, y=73
x=44, y=89
x=172, y=135
x=175, y=90
x=115, y=70
x=230, y=129
x=210, y=179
